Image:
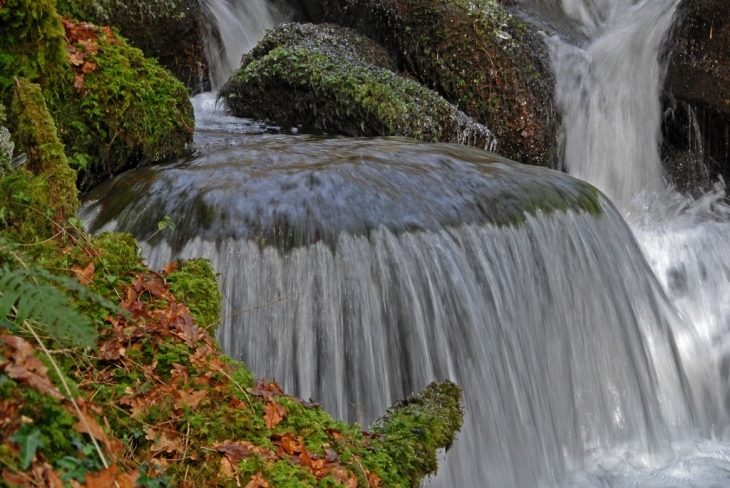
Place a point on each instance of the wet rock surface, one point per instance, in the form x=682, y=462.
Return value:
x=696, y=125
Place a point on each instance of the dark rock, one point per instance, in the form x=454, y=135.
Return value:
x=333, y=79
x=491, y=64
x=696, y=125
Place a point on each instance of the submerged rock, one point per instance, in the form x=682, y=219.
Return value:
x=696, y=124
x=492, y=65
x=333, y=79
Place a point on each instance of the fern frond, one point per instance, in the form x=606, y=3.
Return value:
x=25, y=299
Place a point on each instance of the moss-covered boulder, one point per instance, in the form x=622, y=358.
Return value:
x=171, y=31
x=114, y=108
x=696, y=119
x=333, y=79
x=474, y=53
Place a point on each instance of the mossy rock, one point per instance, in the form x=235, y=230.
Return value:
x=114, y=110
x=333, y=79
x=489, y=63
x=171, y=31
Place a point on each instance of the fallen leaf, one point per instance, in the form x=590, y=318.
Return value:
x=257, y=481
x=88, y=67
x=274, y=413
x=165, y=441
x=40, y=383
x=236, y=451
x=170, y=267
x=192, y=398
x=85, y=275
x=103, y=479
x=226, y=469
x=76, y=58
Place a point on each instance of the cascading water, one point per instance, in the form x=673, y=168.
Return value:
x=357, y=271
x=234, y=27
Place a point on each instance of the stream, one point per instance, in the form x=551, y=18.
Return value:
x=589, y=333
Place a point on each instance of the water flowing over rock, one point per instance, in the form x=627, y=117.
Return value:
x=335, y=80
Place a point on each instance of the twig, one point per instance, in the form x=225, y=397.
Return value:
x=185, y=451
x=19, y=472
x=249, y=310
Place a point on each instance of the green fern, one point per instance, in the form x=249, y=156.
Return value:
x=24, y=299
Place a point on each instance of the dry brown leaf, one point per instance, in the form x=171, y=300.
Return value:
x=273, y=414
x=40, y=383
x=103, y=479
x=88, y=67
x=236, y=451
x=192, y=398
x=90, y=46
x=92, y=427
x=167, y=441
x=23, y=348
x=226, y=469
x=257, y=481
x=170, y=267
x=85, y=275
x=374, y=480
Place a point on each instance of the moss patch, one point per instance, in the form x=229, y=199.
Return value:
x=194, y=282
x=331, y=78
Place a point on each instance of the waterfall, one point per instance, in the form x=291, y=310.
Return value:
x=356, y=271
x=234, y=27
x=607, y=88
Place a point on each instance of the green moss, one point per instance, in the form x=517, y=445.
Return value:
x=32, y=46
x=194, y=283
x=37, y=198
x=415, y=428
x=336, y=80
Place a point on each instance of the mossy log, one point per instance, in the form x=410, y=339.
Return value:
x=417, y=427
x=333, y=79
x=492, y=65
x=42, y=193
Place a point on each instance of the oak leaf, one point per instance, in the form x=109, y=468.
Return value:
x=103, y=479
x=84, y=275
x=165, y=441
x=226, y=469
x=274, y=413
x=40, y=383
x=257, y=481
x=192, y=398
x=88, y=67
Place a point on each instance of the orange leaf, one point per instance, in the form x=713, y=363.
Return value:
x=257, y=481
x=192, y=398
x=88, y=67
x=40, y=383
x=76, y=58
x=103, y=479
x=85, y=275
x=168, y=442
x=274, y=414
x=170, y=268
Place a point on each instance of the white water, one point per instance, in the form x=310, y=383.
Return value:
x=234, y=28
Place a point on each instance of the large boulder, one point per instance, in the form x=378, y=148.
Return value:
x=491, y=64
x=333, y=79
x=697, y=116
